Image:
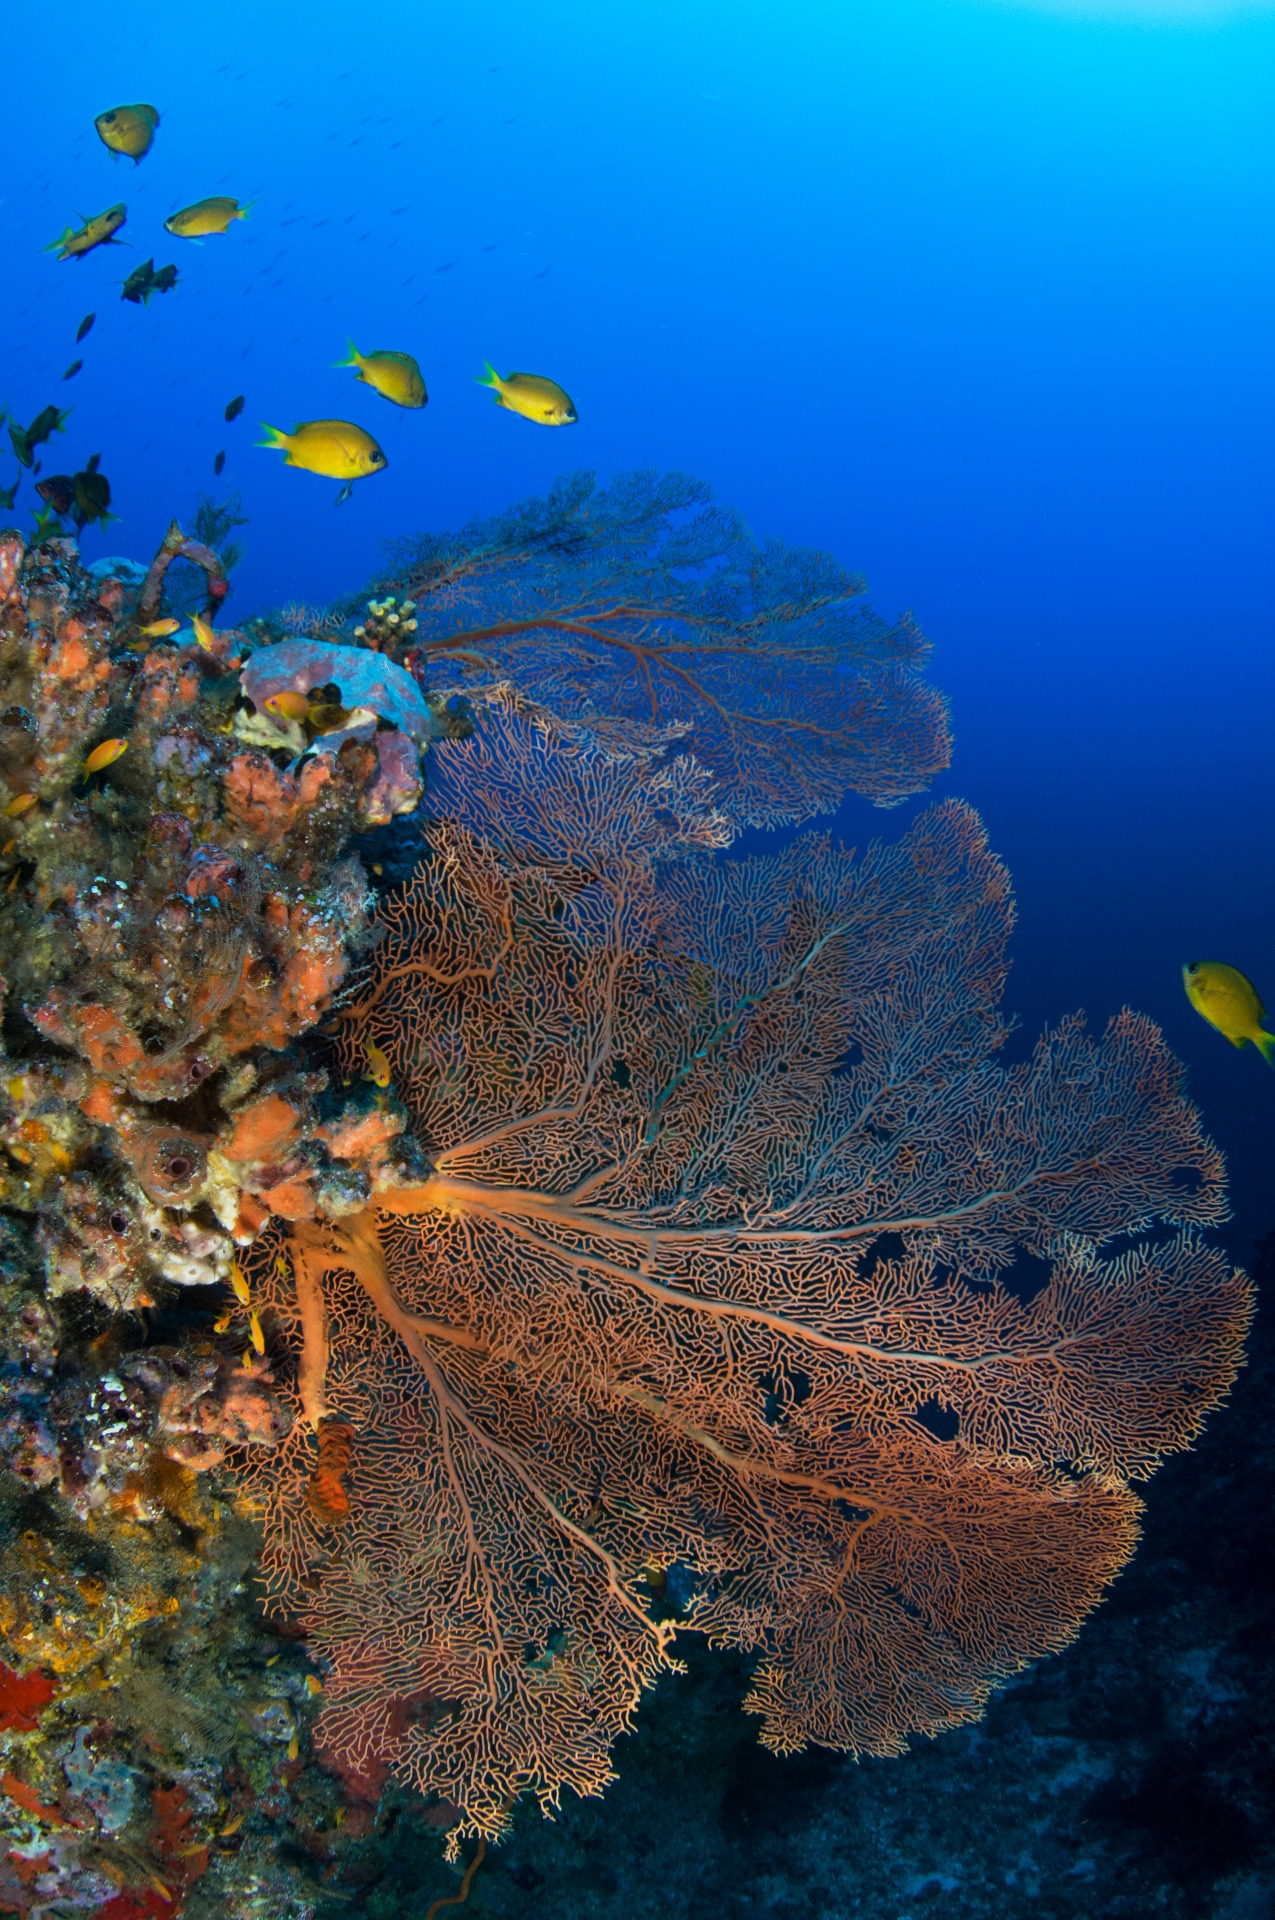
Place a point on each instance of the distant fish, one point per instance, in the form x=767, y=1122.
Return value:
x=219, y=464
x=235, y=408
x=1229, y=1001
x=73, y=369
x=379, y=1071
x=85, y=327
x=160, y=629
x=100, y=231
x=128, y=130
x=8, y=495
x=213, y=215
x=531, y=395
x=337, y=449
x=395, y=376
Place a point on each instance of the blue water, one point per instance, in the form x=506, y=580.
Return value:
x=979, y=297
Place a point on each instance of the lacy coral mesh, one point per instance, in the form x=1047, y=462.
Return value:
x=726, y=1188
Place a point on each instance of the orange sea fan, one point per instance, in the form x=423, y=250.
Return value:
x=726, y=1188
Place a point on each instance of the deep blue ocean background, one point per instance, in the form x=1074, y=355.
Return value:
x=979, y=297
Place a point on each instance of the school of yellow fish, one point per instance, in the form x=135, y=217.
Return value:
x=335, y=449
x=342, y=450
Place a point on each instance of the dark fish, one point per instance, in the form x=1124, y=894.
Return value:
x=48, y=420
x=143, y=281
x=73, y=369
x=219, y=463
x=8, y=495
x=137, y=287
x=58, y=490
x=92, y=496
x=235, y=408
x=26, y=439
x=86, y=327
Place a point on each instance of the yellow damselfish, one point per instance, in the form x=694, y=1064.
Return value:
x=531, y=395
x=395, y=376
x=128, y=130
x=100, y=231
x=337, y=449
x=378, y=1066
x=206, y=216
x=1229, y=1001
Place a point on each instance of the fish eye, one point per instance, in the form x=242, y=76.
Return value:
x=377, y=458
x=108, y=117
x=1194, y=967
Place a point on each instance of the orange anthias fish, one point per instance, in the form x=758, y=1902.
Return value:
x=159, y=629
x=378, y=1066
x=287, y=706
x=105, y=754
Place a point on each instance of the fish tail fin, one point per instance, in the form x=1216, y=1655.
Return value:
x=245, y=210
x=355, y=357
x=61, y=241
x=277, y=437
x=1265, y=1044
x=490, y=379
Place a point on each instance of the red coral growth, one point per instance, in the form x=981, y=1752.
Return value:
x=181, y=1862
x=23, y=1697
x=725, y=1189
x=135, y=1904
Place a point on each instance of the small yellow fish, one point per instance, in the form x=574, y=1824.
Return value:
x=232, y=1826
x=395, y=376
x=531, y=395
x=377, y=1063
x=159, y=629
x=336, y=449
x=103, y=755
x=206, y=216
x=294, y=1747
x=22, y=804
x=203, y=633
x=223, y=1320
x=239, y=1282
x=100, y=231
x=1229, y=1001
x=8, y=847
x=128, y=130
x=281, y=1265
x=313, y=1684
x=255, y=1333
x=288, y=705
